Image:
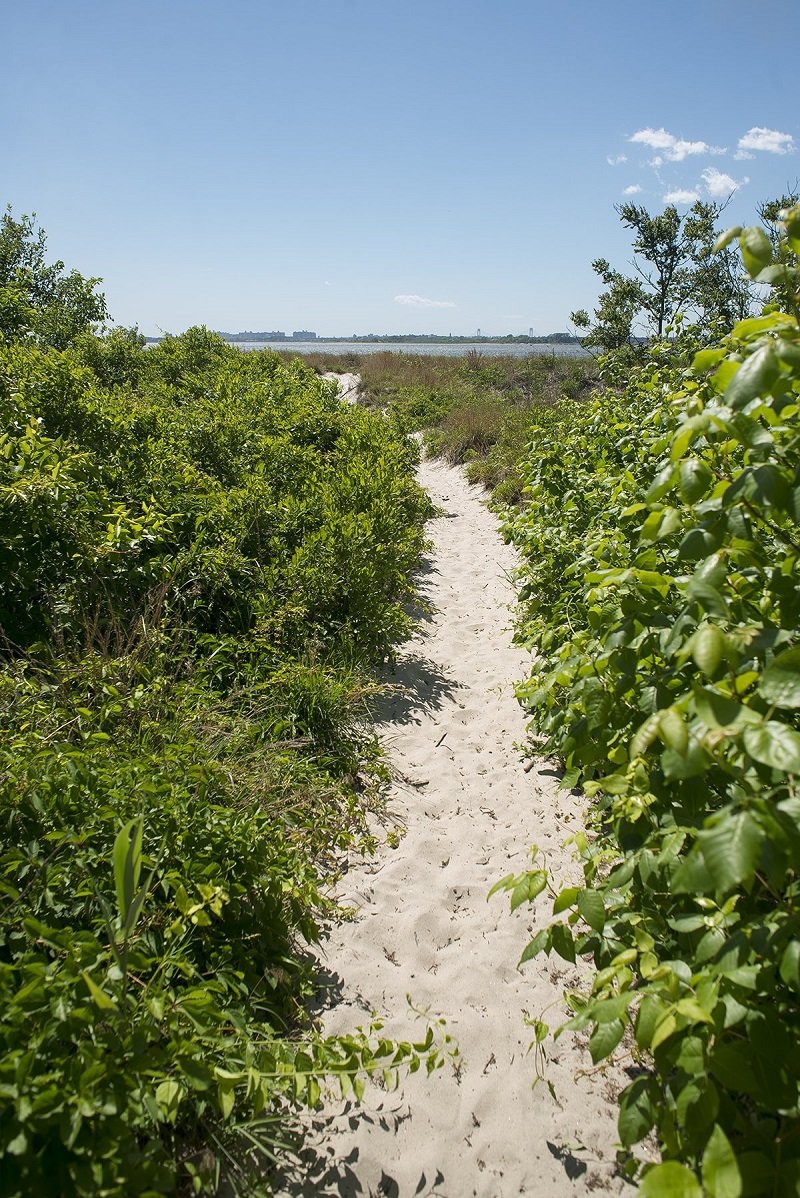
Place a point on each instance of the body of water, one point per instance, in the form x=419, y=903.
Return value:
x=445, y=349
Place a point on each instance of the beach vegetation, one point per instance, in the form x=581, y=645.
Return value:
x=476, y=410
x=660, y=602
x=203, y=554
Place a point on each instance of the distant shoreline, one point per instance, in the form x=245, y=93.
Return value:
x=393, y=339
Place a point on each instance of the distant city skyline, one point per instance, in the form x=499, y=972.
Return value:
x=312, y=335
x=346, y=165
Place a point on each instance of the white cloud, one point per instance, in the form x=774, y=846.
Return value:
x=633, y=190
x=681, y=149
x=719, y=184
x=657, y=139
x=741, y=155
x=419, y=301
x=680, y=196
x=770, y=140
x=675, y=148
x=616, y=159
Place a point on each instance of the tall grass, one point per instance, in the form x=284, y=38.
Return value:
x=477, y=411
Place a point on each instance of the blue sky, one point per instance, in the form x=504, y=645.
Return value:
x=359, y=165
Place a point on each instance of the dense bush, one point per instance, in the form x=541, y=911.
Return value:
x=661, y=602
x=201, y=553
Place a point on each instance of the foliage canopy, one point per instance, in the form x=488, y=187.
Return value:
x=677, y=276
x=39, y=301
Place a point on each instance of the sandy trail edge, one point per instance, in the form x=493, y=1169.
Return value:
x=425, y=928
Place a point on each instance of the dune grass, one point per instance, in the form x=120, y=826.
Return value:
x=477, y=411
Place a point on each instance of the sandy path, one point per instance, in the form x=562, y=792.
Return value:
x=424, y=926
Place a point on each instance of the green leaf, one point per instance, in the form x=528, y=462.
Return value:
x=103, y=1000
x=312, y=1091
x=720, y=711
x=18, y=1145
x=777, y=273
x=723, y=374
x=790, y=964
x=788, y=352
x=691, y=1008
x=694, y=479
x=566, y=898
x=696, y=1102
x=226, y=1098
x=726, y=237
x=168, y=1097
x=688, y=431
x=127, y=864
x=756, y=250
x=673, y=731
x=773, y=744
x=541, y=1030
x=638, y=1110
x=666, y=1027
x=731, y=849
x=528, y=888
x=670, y=1180
x=754, y=326
x=645, y=735
x=721, y=1176
x=592, y=908
x=506, y=883
x=780, y=681
x=754, y=378
x=691, y=763
x=540, y=943
x=605, y=1038
x=197, y=1072
x=663, y=482
x=708, y=647
x=562, y=941
x=706, y=359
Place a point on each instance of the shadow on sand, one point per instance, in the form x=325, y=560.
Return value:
x=413, y=684
x=315, y=1173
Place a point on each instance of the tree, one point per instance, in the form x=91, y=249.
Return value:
x=676, y=273
x=722, y=291
x=39, y=301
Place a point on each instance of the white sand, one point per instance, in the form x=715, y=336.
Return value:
x=425, y=928
x=348, y=385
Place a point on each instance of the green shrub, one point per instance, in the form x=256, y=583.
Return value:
x=661, y=604
x=202, y=552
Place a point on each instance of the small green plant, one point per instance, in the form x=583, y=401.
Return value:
x=394, y=837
